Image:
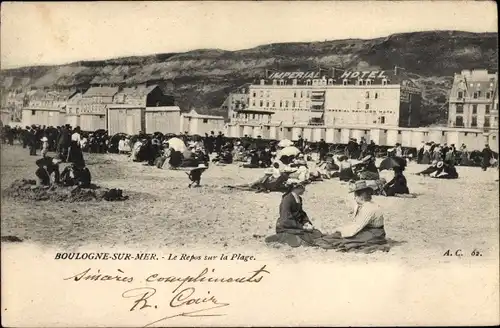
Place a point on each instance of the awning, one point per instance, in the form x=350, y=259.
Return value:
x=316, y=115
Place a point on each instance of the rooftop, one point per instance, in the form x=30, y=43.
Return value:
x=101, y=92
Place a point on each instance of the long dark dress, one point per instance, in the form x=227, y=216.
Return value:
x=75, y=154
x=290, y=231
x=397, y=185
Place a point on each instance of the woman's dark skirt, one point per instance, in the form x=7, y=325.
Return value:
x=368, y=240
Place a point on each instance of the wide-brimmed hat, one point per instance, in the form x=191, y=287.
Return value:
x=390, y=150
x=358, y=185
x=434, y=162
x=440, y=164
x=200, y=167
x=56, y=159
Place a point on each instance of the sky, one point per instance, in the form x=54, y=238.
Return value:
x=35, y=33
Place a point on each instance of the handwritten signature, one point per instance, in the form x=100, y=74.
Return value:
x=183, y=299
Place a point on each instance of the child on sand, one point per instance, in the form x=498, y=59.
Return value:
x=195, y=175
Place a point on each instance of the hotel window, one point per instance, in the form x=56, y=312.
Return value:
x=361, y=82
x=344, y=81
x=487, y=121
x=302, y=94
x=254, y=94
x=376, y=95
x=286, y=104
x=308, y=94
x=384, y=82
x=205, y=120
x=474, y=109
x=367, y=95
x=274, y=103
x=308, y=82
x=281, y=103
x=267, y=104
x=460, y=94
x=488, y=95
x=487, y=109
x=382, y=119
x=367, y=106
x=368, y=82
x=459, y=121
x=261, y=103
x=262, y=94
x=268, y=94
x=293, y=104
x=460, y=108
x=33, y=112
x=295, y=94
x=253, y=103
x=476, y=95
x=474, y=122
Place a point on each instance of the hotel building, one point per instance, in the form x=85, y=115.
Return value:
x=473, y=101
x=370, y=98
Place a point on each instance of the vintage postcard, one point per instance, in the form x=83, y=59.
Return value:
x=249, y=164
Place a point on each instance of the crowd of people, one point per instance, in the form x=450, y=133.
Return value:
x=290, y=167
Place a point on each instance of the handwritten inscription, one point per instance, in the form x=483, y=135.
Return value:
x=186, y=300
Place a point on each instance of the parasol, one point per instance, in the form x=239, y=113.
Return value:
x=289, y=151
x=391, y=162
x=285, y=143
x=176, y=144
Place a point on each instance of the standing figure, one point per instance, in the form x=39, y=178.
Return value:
x=487, y=156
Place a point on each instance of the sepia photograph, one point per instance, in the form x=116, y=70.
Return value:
x=241, y=163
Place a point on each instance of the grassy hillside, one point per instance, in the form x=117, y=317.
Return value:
x=201, y=79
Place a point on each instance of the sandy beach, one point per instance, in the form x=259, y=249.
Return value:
x=163, y=212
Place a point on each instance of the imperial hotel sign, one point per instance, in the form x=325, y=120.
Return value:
x=334, y=98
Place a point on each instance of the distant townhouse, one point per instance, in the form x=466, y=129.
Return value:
x=236, y=101
x=46, y=107
x=473, y=101
x=93, y=107
x=143, y=108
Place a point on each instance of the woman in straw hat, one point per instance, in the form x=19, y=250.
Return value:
x=367, y=225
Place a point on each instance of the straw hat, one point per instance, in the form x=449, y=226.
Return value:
x=358, y=185
x=440, y=164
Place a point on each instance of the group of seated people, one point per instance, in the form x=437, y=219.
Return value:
x=364, y=233
x=75, y=174
x=440, y=170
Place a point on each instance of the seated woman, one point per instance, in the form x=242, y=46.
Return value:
x=328, y=169
x=294, y=227
x=76, y=174
x=265, y=158
x=445, y=170
x=366, y=231
x=398, y=184
x=47, y=166
x=431, y=169
x=274, y=179
x=346, y=173
x=175, y=159
x=368, y=169
x=254, y=161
